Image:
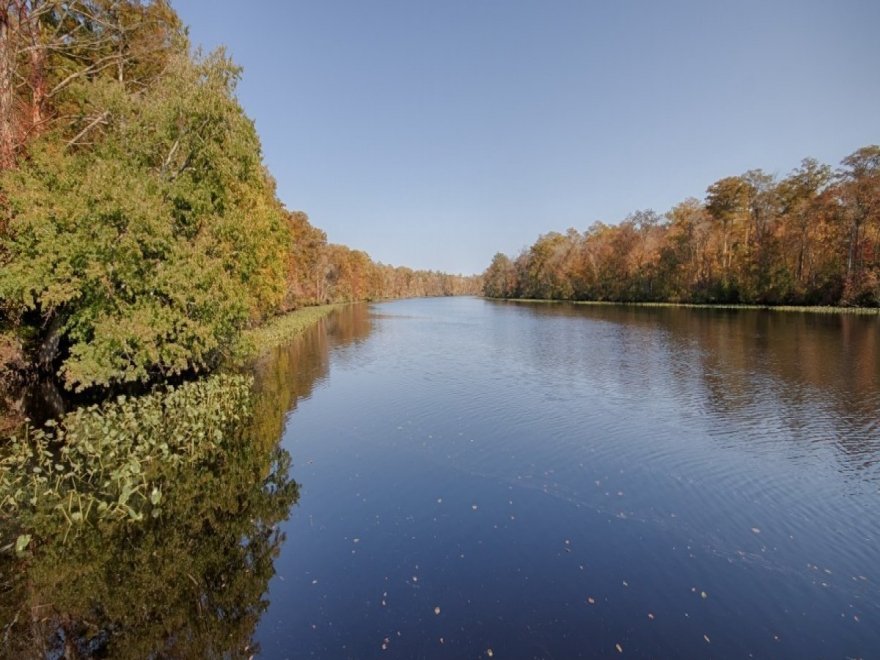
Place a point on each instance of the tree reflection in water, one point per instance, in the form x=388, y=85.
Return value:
x=193, y=582
x=189, y=584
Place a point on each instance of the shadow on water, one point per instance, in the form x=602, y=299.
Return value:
x=193, y=582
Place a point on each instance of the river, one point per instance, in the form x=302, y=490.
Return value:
x=482, y=478
x=466, y=478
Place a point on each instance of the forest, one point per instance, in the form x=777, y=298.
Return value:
x=140, y=231
x=809, y=238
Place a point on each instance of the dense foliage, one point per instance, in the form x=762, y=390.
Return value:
x=140, y=233
x=810, y=238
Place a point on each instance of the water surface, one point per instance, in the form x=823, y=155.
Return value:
x=558, y=481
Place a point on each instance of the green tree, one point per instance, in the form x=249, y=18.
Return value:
x=144, y=254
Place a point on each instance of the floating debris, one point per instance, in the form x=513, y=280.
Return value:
x=437, y=611
x=619, y=648
x=474, y=507
x=490, y=652
x=704, y=595
x=651, y=616
x=591, y=600
x=706, y=637
x=756, y=530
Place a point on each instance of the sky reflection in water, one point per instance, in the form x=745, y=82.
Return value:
x=558, y=481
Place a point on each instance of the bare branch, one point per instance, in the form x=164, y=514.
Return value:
x=100, y=119
x=104, y=62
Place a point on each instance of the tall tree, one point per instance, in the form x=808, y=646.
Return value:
x=860, y=194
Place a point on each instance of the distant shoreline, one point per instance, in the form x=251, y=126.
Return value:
x=815, y=309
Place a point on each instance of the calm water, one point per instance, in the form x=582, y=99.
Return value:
x=562, y=481
x=459, y=476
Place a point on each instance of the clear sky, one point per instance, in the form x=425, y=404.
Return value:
x=434, y=134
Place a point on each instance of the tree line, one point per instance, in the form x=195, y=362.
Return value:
x=321, y=272
x=140, y=231
x=809, y=238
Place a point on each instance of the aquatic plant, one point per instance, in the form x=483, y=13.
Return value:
x=113, y=461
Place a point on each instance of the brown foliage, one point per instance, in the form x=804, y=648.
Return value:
x=320, y=272
x=811, y=238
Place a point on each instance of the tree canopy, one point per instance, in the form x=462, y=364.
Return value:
x=140, y=232
x=812, y=237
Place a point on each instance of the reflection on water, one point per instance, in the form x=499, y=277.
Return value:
x=188, y=585
x=560, y=481
x=535, y=480
x=192, y=583
x=762, y=376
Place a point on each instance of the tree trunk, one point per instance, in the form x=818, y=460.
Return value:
x=37, y=72
x=48, y=349
x=7, y=124
x=852, y=256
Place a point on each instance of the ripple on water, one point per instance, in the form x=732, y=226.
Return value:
x=529, y=459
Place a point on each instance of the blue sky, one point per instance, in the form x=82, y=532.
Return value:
x=434, y=134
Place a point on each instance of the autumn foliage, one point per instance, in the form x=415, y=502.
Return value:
x=140, y=232
x=811, y=238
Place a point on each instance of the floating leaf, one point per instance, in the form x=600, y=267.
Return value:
x=21, y=543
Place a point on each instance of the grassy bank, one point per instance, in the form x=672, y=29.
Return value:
x=277, y=331
x=815, y=309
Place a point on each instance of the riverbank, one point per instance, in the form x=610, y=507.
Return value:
x=119, y=456
x=250, y=345
x=814, y=309
x=277, y=331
